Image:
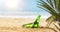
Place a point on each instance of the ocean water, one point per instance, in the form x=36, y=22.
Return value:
x=18, y=16
x=22, y=15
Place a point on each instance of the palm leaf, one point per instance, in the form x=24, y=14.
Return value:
x=53, y=7
x=59, y=6
x=49, y=9
x=57, y=27
x=56, y=3
x=51, y=2
x=50, y=20
x=52, y=10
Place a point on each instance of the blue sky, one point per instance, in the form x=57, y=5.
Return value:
x=21, y=8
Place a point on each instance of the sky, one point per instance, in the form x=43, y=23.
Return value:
x=21, y=8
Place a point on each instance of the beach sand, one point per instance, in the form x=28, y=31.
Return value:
x=15, y=25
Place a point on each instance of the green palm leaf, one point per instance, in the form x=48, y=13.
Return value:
x=49, y=9
x=52, y=7
x=50, y=20
x=57, y=27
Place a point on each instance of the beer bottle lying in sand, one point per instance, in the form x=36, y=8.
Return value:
x=33, y=25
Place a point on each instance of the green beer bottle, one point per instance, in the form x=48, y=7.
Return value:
x=36, y=23
x=33, y=25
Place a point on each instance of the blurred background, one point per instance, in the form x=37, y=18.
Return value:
x=21, y=8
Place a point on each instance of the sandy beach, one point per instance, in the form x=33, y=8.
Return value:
x=15, y=25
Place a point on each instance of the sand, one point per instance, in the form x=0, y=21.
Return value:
x=15, y=25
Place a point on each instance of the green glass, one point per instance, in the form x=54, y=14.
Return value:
x=33, y=25
x=29, y=25
x=36, y=23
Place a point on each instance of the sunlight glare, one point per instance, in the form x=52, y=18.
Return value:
x=12, y=4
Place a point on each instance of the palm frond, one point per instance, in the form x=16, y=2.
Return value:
x=59, y=6
x=49, y=9
x=56, y=4
x=52, y=7
x=57, y=27
x=50, y=20
x=51, y=2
